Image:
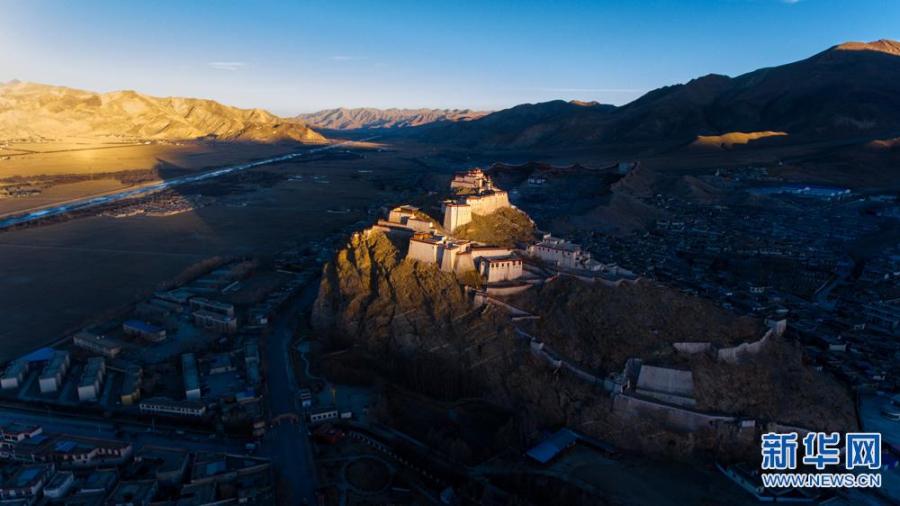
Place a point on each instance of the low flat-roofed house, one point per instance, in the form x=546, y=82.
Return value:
x=144, y=330
x=673, y=386
x=191, y=377
x=131, y=385
x=884, y=316
x=105, y=346
x=60, y=485
x=91, y=379
x=16, y=432
x=168, y=465
x=203, y=304
x=134, y=493
x=26, y=482
x=218, y=322
x=100, y=481
x=53, y=373
x=323, y=415
x=13, y=375
x=172, y=407
x=548, y=449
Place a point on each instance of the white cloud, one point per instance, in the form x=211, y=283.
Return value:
x=227, y=65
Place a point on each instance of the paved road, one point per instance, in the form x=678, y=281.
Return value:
x=287, y=444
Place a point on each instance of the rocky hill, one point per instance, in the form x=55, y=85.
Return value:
x=848, y=91
x=41, y=112
x=370, y=118
x=422, y=332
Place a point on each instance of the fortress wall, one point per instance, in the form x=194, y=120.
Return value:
x=508, y=290
x=733, y=355
x=692, y=347
x=488, y=203
x=675, y=417
x=479, y=252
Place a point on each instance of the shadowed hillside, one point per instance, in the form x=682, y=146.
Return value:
x=847, y=91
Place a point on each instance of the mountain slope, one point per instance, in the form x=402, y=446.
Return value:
x=37, y=111
x=368, y=118
x=850, y=90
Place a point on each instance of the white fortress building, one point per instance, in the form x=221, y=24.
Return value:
x=568, y=255
x=409, y=217
x=473, y=179
x=497, y=269
x=485, y=199
x=493, y=263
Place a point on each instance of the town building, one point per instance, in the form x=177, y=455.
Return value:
x=134, y=493
x=217, y=322
x=172, y=407
x=203, y=304
x=71, y=451
x=108, y=347
x=323, y=415
x=131, y=385
x=53, y=373
x=13, y=375
x=60, y=485
x=26, y=483
x=91, y=379
x=191, y=377
x=16, y=432
x=144, y=330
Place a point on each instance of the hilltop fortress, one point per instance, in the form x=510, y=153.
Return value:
x=433, y=243
x=478, y=196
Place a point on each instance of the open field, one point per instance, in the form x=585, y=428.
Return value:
x=55, y=277
x=59, y=168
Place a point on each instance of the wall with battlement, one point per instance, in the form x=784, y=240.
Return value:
x=673, y=416
x=488, y=203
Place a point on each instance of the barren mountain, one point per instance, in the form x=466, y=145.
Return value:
x=42, y=112
x=368, y=118
x=848, y=91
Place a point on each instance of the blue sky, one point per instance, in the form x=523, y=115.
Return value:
x=292, y=57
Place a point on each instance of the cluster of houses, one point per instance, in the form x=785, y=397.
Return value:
x=43, y=468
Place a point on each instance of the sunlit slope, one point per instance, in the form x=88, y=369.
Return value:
x=30, y=111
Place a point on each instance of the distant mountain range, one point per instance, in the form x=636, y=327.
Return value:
x=370, y=118
x=42, y=112
x=849, y=90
